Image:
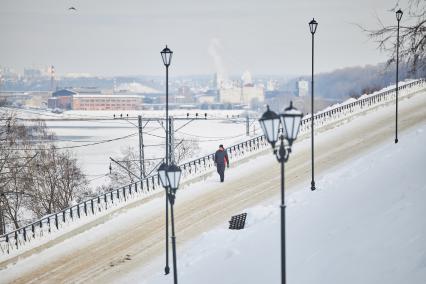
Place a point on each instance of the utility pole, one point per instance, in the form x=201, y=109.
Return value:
x=2, y=221
x=247, y=125
x=141, y=148
x=172, y=139
x=52, y=79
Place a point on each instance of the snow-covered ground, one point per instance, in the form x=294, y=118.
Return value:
x=138, y=230
x=364, y=224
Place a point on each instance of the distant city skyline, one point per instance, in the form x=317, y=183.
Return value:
x=119, y=38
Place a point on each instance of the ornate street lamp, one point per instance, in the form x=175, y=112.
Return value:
x=162, y=173
x=166, y=55
x=313, y=28
x=270, y=123
x=290, y=123
x=173, y=178
x=398, y=18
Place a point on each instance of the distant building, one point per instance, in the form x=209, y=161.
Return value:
x=272, y=85
x=38, y=99
x=302, y=88
x=53, y=103
x=252, y=93
x=87, y=90
x=206, y=97
x=184, y=95
x=246, y=95
x=16, y=99
x=32, y=73
x=107, y=102
x=61, y=99
x=230, y=95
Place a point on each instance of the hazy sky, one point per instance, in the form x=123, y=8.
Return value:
x=124, y=37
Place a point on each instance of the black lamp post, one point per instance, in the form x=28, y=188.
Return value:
x=170, y=179
x=166, y=55
x=290, y=123
x=398, y=18
x=313, y=27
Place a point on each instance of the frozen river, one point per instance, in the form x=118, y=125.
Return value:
x=94, y=141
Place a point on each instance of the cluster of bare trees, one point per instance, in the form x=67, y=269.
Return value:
x=36, y=178
x=128, y=170
x=412, y=35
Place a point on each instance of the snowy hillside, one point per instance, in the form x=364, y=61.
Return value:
x=365, y=224
x=368, y=188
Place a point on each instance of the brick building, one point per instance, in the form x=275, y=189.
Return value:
x=107, y=102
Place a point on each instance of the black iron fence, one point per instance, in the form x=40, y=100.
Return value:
x=114, y=198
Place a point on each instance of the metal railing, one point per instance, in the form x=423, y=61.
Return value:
x=55, y=222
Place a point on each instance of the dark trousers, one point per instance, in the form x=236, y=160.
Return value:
x=221, y=171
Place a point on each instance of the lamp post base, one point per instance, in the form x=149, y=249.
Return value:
x=313, y=185
x=396, y=140
x=166, y=270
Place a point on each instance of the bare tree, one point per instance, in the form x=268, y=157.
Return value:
x=36, y=178
x=412, y=36
x=15, y=155
x=56, y=181
x=72, y=182
x=185, y=149
x=129, y=167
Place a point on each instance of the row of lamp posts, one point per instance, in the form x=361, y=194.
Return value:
x=283, y=127
x=288, y=124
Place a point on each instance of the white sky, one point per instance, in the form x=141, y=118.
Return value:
x=124, y=37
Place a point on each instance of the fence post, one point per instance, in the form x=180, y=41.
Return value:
x=78, y=211
x=85, y=208
x=33, y=229
x=56, y=221
x=7, y=241
x=16, y=239
x=91, y=204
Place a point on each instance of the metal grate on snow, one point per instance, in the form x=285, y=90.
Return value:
x=237, y=222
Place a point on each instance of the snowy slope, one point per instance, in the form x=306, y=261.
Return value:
x=99, y=250
x=365, y=224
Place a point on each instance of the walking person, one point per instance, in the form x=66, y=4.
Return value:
x=221, y=161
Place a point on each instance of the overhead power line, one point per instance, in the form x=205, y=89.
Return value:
x=79, y=146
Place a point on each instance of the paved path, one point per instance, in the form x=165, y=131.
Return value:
x=102, y=261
